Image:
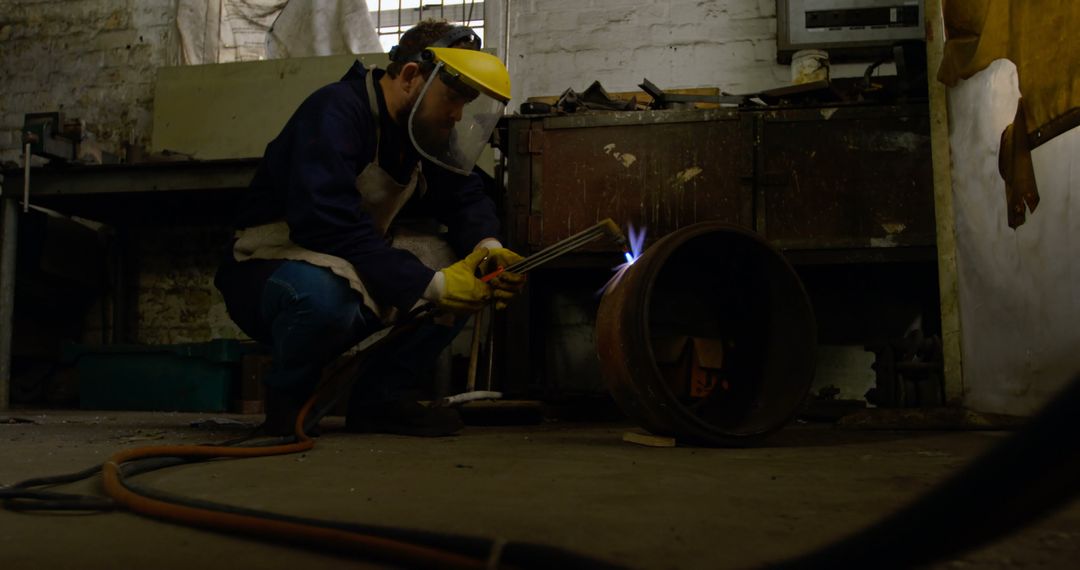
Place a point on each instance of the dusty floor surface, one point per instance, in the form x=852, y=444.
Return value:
x=573, y=485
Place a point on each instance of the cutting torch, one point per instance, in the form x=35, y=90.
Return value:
x=604, y=228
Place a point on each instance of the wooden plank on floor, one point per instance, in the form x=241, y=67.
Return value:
x=648, y=439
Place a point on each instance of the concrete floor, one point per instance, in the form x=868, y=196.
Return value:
x=574, y=485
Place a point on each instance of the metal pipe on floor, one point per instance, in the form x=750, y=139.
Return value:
x=709, y=337
x=8, y=234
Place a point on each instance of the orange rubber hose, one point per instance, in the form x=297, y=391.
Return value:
x=339, y=540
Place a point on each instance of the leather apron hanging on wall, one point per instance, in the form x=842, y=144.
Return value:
x=382, y=198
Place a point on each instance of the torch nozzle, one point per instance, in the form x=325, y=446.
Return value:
x=616, y=234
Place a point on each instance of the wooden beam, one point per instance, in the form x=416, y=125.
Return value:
x=943, y=206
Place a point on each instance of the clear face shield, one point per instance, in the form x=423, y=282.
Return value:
x=453, y=119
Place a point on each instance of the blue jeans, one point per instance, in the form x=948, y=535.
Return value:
x=309, y=316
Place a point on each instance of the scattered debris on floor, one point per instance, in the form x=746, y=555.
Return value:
x=15, y=420
x=221, y=422
x=927, y=419
x=145, y=436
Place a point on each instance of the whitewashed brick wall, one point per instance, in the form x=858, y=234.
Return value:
x=92, y=59
x=97, y=60
x=730, y=44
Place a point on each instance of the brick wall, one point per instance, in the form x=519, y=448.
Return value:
x=176, y=300
x=97, y=60
x=731, y=44
x=92, y=59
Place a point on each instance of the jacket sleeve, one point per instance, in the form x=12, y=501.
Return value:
x=460, y=203
x=333, y=140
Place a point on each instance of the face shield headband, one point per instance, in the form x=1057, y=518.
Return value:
x=458, y=34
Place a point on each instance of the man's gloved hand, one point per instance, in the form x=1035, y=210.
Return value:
x=464, y=293
x=506, y=284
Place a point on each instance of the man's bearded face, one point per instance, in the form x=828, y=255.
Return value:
x=439, y=111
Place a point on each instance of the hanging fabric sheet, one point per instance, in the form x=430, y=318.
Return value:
x=1037, y=36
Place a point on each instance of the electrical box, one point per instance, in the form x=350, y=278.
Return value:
x=851, y=30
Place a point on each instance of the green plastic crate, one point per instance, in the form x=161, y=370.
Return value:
x=177, y=377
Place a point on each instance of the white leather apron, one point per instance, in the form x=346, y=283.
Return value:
x=382, y=198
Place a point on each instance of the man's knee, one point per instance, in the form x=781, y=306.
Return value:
x=314, y=298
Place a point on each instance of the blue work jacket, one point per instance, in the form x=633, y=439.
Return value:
x=308, y=174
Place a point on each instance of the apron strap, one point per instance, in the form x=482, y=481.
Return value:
x=373, y=104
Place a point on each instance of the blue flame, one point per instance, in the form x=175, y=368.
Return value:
x=637, y=244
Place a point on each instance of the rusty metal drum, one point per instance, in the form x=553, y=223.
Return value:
x=708, y=337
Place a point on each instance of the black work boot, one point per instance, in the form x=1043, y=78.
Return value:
x=402, y=417
x=281, y=407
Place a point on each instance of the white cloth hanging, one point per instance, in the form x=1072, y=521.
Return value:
x=322, y=27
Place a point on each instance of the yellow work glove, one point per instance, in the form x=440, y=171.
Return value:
x=506, y=284
x=464, y=293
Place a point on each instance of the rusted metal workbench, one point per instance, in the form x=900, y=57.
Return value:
x=121, y=195
x=136, y=193
x=828, y=178
x=839, y=184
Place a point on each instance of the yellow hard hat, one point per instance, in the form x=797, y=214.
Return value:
x=481, y=71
